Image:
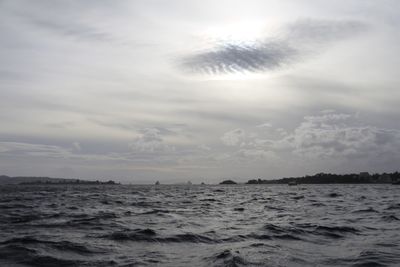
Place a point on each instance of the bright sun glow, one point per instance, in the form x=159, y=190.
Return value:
x=247, y=32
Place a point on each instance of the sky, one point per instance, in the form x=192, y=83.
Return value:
x=178, y=90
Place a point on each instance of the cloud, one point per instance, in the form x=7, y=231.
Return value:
x=333, y=135
x=17, y=148
x=77, y=146
x=233, y=138
x=327, y=138
x=75, y=30
x=264, y=125
x=288, y=47
x=233, y=58
x=79, y=21
x=256, y=154
x=312, y=31
x=150, y=141
x=203, y=148
x=22, y=149
x=245, y=148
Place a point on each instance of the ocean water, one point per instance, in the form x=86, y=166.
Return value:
x=166, y=225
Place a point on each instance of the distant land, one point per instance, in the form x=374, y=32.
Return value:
x=228, y=182
x=47, y=180
x=329, y=178
x=319, y=178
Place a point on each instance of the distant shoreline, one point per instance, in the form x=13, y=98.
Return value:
x=319, y=178
x=80, y=182
x=329, y=178
x=28, y=180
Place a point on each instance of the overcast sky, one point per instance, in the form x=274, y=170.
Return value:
x=140, y=91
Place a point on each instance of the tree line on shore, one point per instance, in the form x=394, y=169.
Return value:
x=330, y=178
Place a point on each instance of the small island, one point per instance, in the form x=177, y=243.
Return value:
x=228, y=182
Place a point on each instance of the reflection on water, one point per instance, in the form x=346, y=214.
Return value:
x=235, y=225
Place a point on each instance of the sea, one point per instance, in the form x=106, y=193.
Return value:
x=200, y=225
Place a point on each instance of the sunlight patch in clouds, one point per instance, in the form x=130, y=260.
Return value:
x=292, y=45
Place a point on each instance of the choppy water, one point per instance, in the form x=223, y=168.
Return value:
x=255, y=225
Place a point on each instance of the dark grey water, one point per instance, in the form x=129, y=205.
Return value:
x=256, y=225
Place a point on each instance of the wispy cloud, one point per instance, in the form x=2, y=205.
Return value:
x=290, y=46
x=74, y=30
x=312, y=31
x=30, y=150
x=18, y=148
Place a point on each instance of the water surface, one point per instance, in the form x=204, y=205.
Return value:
x=240, y=225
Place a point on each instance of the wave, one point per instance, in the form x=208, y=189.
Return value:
x=393, y=206
x=143, y=204
x=274, y=236
x=238, y=209
x=208, y=200
x=25, y=256
x=18, y=218
x=150, y=235
x=15, y=206
x=282, y=229
x=219, y=191
x=188, y=237
x=333, y=195
x=155, y=211
x=390, y=218
x=368, y=258
x=135, y=235
x=59, y=245
x=334, y=232
x=21, y=255
x=227, y=258
x=299, y=231
x=318, y=204
x=366, y=210
x=269, y=207
x=31, y=251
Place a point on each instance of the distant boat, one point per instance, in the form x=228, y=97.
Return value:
x=157, y=183
x=396, y=182
x=189, y=183
x=292, y=183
